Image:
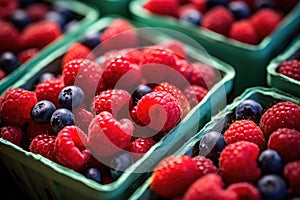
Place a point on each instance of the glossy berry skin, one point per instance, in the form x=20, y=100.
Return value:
x=191, y=17
x=9, y=62
x=249, y=109
x=272, y=187
x=119, y=163
x=42, y=111
x=71, y=97
x=60, y=118
x=20, y=19
x=270, y=162
x=91, y=40
x=139, y=92
x=239, y=9
x=94, y=174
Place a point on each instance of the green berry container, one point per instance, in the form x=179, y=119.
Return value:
x=265, y=96
x=87, y=14
x=249, y=61
x=44, y=179
x=278, y=80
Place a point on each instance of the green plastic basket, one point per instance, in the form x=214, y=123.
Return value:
x=41, y=177
x=89, y=15
x=249, y=61
x=278, y=80
x=265, y=96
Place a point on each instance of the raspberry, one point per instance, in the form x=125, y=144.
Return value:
x=175, y=46
x=2, y=74
x=287, y=143
x=49, y=90
x=209, y=187
x=13, y=134
x=218, y=19
x=292, y=173
x=194, y=94
x=159, y=110
x=199, y=4
x=9, y=37
x=43, y=144
x=7, y=8
x=140, y=146
x=208, y=73
x=281, y=115
x=70, y=148
x=37, y=11
x=83, y=118
x=245, y=130
x=107, y=135
x=133, y=55
x=134, y=117
x=170, y=169
x=237, y=162
x=163, y=7
x=40, y=34
x=27, y=54
x=33, y=129
x=245, y=190
x=12, y=101
x=265, y=21
x=290, y=68
x=205, y=165
x=244, y=31
x=76, y=51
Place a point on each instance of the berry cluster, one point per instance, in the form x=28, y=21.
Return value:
x=247, y=21
x=27, y=27
x=255, y=157
x=290, y=68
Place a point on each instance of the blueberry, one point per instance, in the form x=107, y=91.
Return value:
x=249, y=109
x=71, y=25
x=91, y=40
x=71, y=97
x=272, y=187
x=259, y=4
x=60, y=118
x=119, y=163
x=56, y=17
x=213, y=3
x=61, y=8
x=9, y=62
x=191, y=16
x=239, y=9
x=140, y=91
x=20, y=19
x=45, y=76
x=93, y=174
x=42, y=111
x=270, y=162
x=211, y=145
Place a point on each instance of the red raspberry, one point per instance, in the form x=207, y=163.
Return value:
x=199, y=4
x=244, y=31
x=292, y=173
x=290, y=68
x=40, y=34
x=205, y=165
x=2, y=74
x=133, y=55
x=33, y=129
x=43, y=144
x=140, y=146
x=177, y=93
x=163, y=7
x=245, y=191
x=218, y=19
x=265, y=21
x=286, y=142
x=245, y=130
x=170, y=169
x=135, y=118
x=194, y=94
x=9, y=37
x=175, y=46
x=37, y=11
x=7, y=8
x=49, y=90
x=209, y=74
x=16, y=106
x=107, y=135
x=83, y=118
x=237, y=162
x=13, y=134
x=76, y=51
x=27, y=54
x=70, y=148
x=209, y=187
x=281, y=115
x=159, y=110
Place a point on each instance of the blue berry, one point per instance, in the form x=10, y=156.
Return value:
x=213, y=3
x=9, y=62
x=20, y=19
x=119, y=163
x=45, y=76
x=71, y=97
x=94, y=174
x=42, y=111
x=191, y=16
x=259, y=4
x=272, y=187
x=270, y=162
x=60, y=118
x=249, y=109
x=61, y=8
x=56, y=17
x=239, y=9
x=140, y=91
x=71, y=25
x=91, y=40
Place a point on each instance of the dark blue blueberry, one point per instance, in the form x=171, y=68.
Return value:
x=45, y=76
x=61, y=8
x=94, y=174
x=20, y=19
x=270, y=162
x=91, y=40
x=42, y=111
x=213, y=3
x=71, y=25
x=239, y=9
x=191, y=16
x=272, y=187
x=211, y=145
x=249, y=109
x=259, y=4
x=24, y=3
x=56, y=17
x=9, y=62
x=119, y=163
x=139, y=92
x=71, y=97
x=60, y=118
